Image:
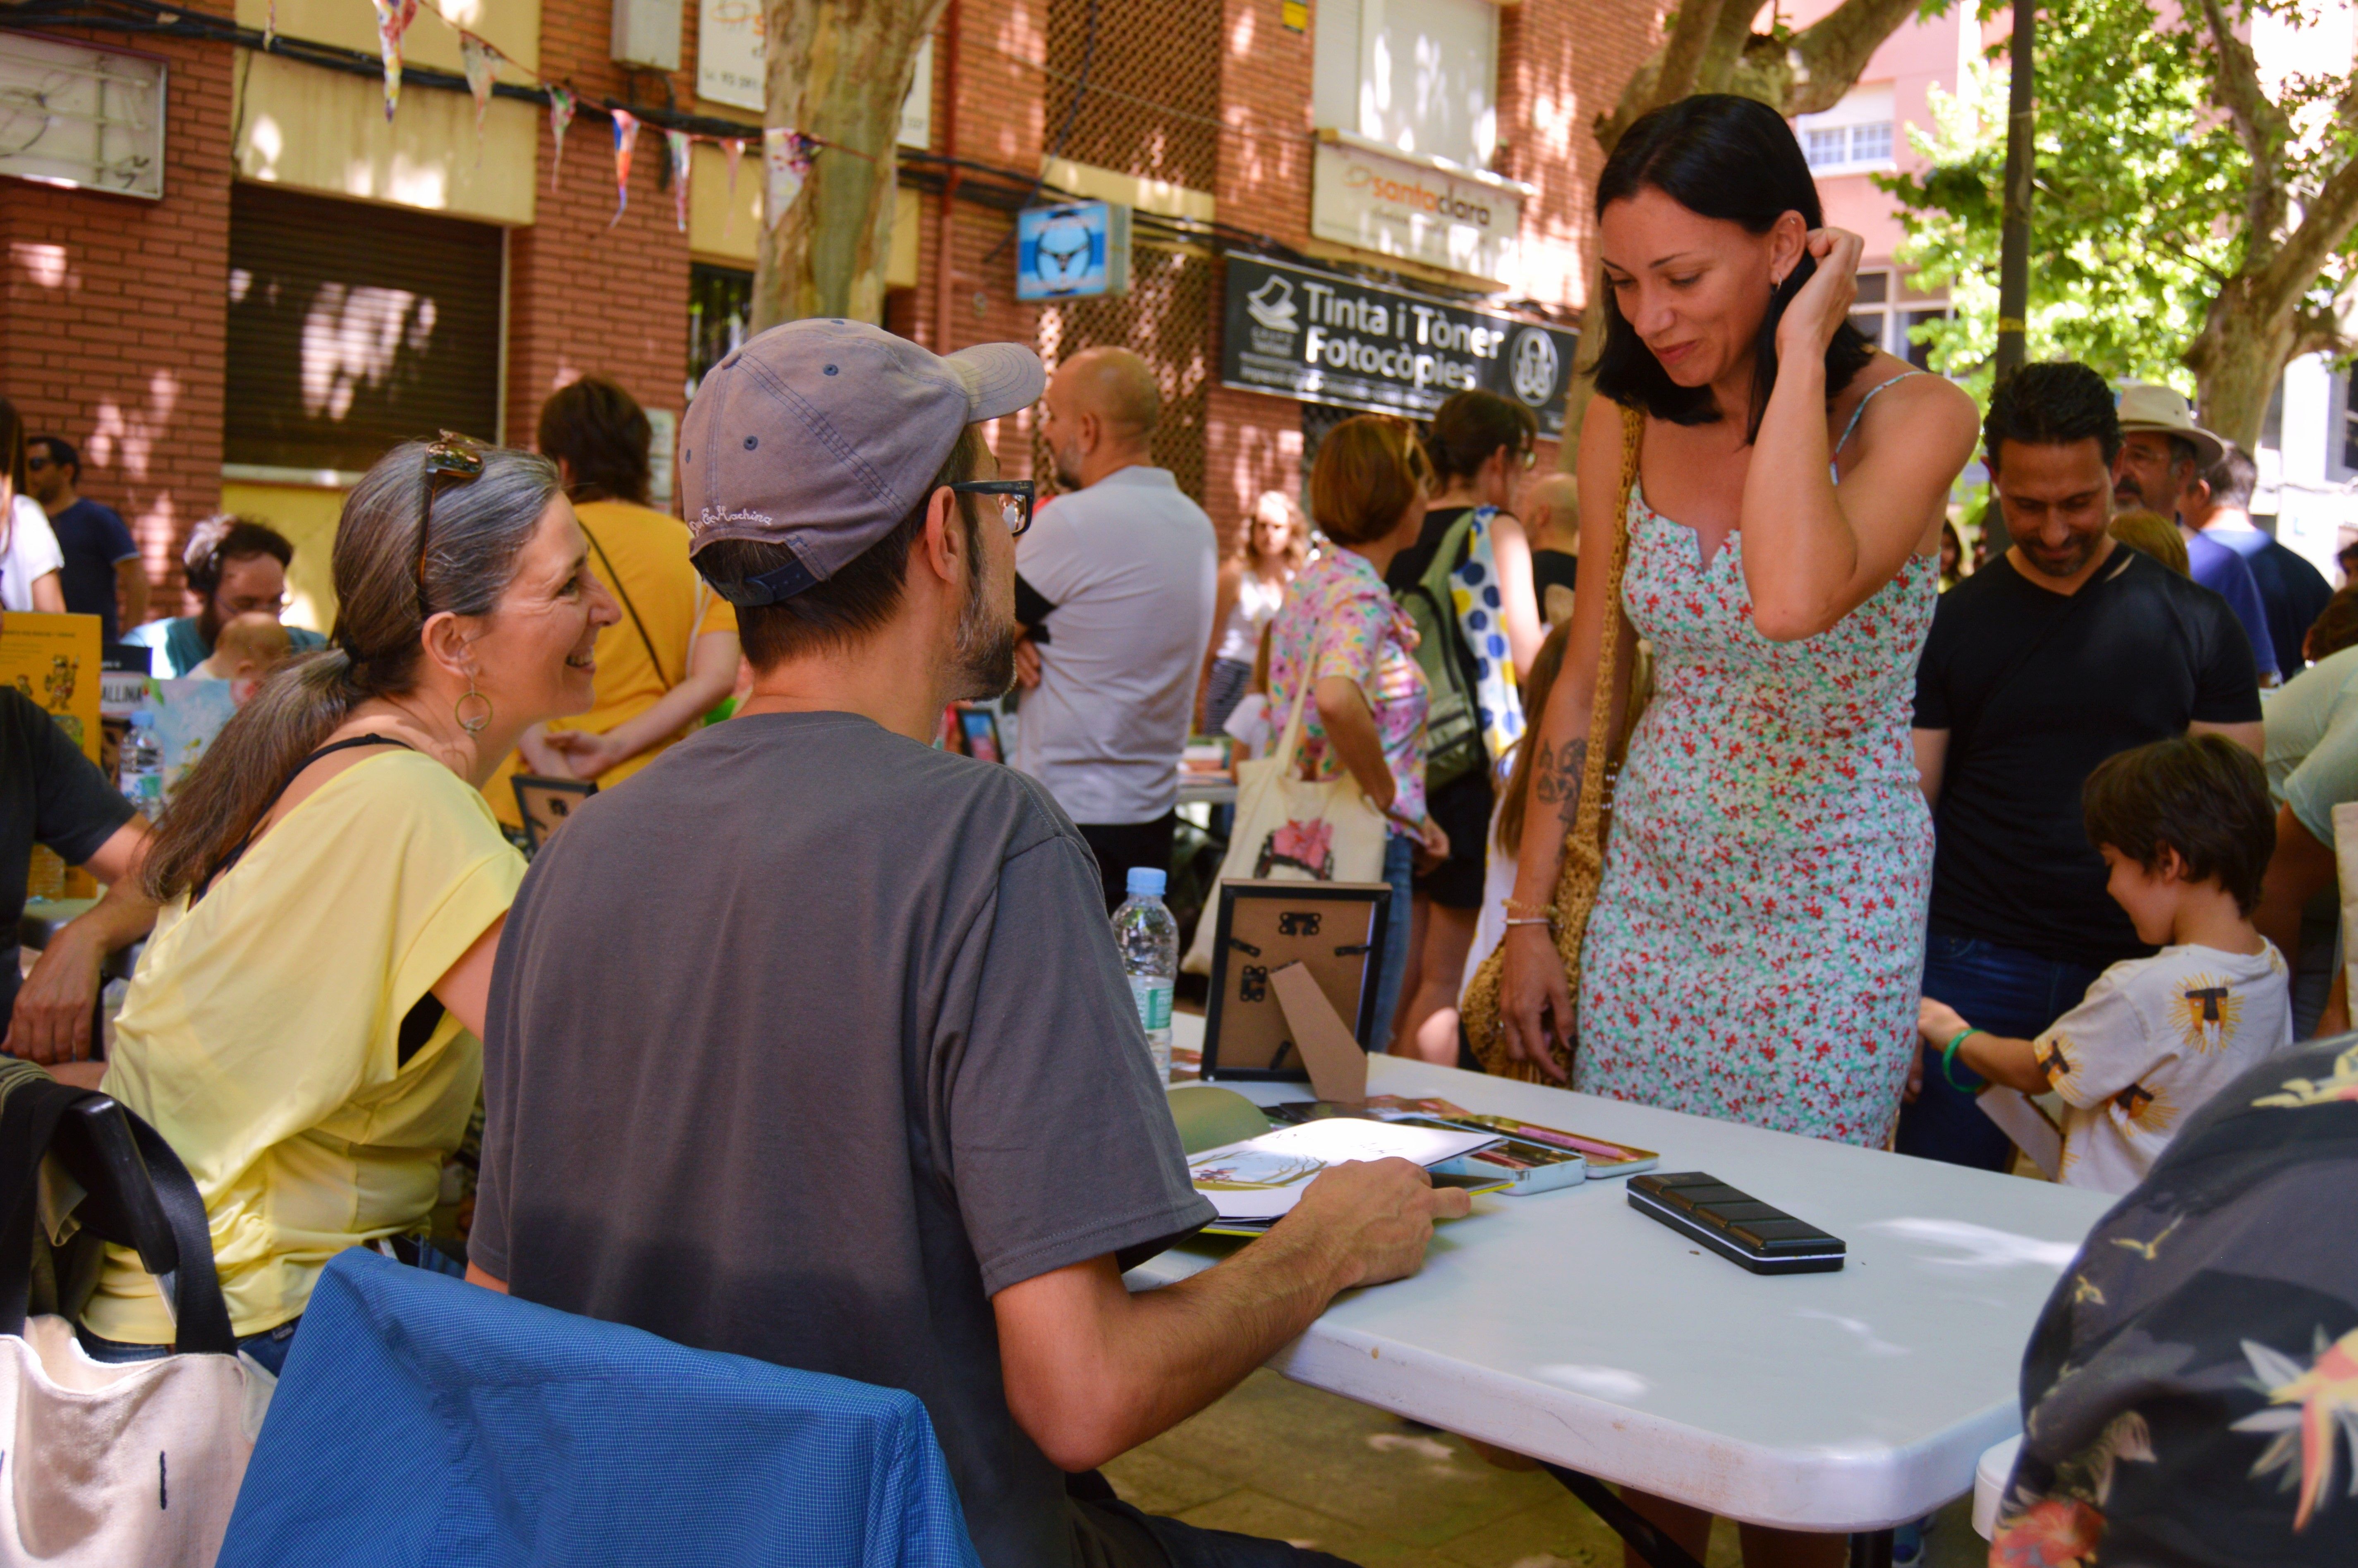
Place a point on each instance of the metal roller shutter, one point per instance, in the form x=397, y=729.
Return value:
x=353, y=327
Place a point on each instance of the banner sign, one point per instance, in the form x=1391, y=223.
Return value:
x=1070, y=251
x=1365, y=195
x=1319, y=337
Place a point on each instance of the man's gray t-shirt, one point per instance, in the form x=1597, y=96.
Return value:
x=804, y=1044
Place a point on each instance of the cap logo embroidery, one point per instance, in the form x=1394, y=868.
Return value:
x=709, y=518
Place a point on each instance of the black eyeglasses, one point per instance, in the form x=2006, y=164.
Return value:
x=454, y=458
x=1016, y=496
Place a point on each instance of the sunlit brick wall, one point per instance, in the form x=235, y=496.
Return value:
x=1253, y=442
x=112, y=312
x=583, y=297
x=999, y=115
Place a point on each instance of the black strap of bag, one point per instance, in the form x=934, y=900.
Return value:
x=138, y=1194
x=623, y=594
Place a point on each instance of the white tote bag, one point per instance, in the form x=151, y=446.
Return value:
x=113, y=1466
x=1289, y=829
x=107, y=1466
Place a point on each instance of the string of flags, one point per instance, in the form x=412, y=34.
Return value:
x=786, y=153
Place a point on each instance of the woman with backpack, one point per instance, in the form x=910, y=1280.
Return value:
x=1467, y=583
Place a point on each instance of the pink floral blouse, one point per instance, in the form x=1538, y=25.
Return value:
x=1340, y=620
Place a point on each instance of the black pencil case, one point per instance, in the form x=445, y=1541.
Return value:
x=1735, y=1224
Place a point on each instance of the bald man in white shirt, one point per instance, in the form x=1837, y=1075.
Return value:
x=1114, y=588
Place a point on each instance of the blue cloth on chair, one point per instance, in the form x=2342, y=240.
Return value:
x=424, y=1421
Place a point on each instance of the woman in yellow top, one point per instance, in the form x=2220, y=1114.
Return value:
x=303, y=1026
x=673, y=656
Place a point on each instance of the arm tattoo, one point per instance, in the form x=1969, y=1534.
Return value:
x=1557, y=775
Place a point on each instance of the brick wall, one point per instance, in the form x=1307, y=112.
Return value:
x=113, y=311
x=583, y=297
x=998, y=119
x=1559, y=67
x=1253, y=441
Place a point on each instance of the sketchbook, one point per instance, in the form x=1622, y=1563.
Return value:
x=1261, y=1178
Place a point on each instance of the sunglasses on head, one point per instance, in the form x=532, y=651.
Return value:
x=452, y=460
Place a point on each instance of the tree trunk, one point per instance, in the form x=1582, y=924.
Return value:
x=837, y=71
x=2237, y=359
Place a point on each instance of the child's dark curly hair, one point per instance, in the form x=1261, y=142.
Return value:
x=2202, y=795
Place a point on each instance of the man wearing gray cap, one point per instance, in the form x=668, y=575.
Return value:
x=810, y=1042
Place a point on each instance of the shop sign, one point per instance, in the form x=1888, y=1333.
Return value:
x=1319, y=337
x=729, y=52
x=729, y=69
x=1425, y=209
x=1072, y=251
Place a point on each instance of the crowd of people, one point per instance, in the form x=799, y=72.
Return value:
x=1769, y=812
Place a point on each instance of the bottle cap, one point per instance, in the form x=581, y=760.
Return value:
x=144, y=716
x=1147, y=880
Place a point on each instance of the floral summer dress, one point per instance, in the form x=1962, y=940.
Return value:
x=1756, y=948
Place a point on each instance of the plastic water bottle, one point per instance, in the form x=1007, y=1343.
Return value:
x=1149, y=940
x=141, y=770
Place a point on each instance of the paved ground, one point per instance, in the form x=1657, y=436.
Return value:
x=1278, y=1459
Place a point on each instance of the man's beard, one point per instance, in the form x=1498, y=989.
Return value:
x=2129, y=495
x=985, y=649
x=1068, y=467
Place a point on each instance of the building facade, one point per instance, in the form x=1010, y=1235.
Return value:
x=235, y=275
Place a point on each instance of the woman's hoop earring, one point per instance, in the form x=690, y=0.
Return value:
x=473, y=724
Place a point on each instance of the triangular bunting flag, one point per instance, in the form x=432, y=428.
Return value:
x=682, y=148
x=560, y=115
x=786, y=164
x=735, y=147
x=626, y=137
x=479, y=61
x=393, y=19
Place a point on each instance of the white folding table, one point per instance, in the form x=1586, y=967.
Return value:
x=1572, y=1328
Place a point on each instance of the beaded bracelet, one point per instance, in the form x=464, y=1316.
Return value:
x=1528, y=913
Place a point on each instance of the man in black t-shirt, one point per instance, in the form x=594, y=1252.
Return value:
x=2065, y=650
x=50, y=793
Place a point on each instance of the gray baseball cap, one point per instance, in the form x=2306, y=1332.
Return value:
x=822, y=435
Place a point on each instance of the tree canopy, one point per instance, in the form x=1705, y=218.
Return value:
x=2177, y=204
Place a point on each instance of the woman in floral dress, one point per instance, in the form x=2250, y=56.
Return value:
x=1342, y=633
x=1756, y=947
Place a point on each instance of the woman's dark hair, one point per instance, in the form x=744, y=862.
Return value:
x=12, y=454
x=2054, y=403
x=1471, y=426
x=859, y=598
x=224, y=537
x=1732, y=159
x=480, y=528
x=602, y=435
x=2202, y=795
x=1368, y=472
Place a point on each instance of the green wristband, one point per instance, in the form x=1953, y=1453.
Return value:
x=1949, y=1062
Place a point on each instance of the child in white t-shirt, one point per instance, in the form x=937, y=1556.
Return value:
x=2186, y=827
